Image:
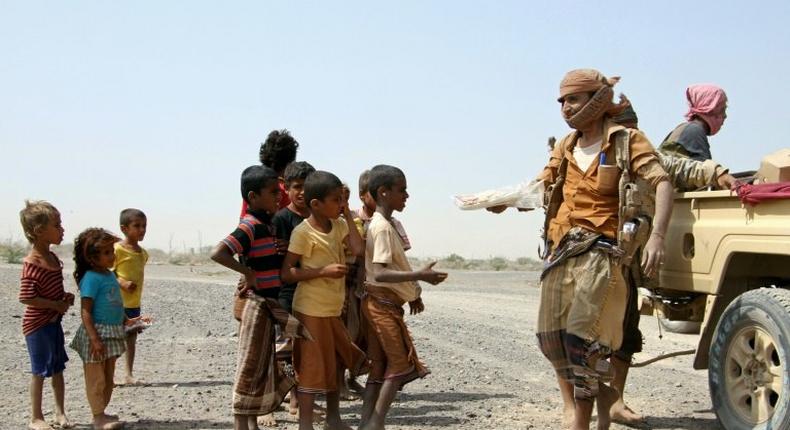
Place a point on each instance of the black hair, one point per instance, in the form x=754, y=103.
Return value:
x=255, y=178
x=278, y=150
x=319, y=184
x=128, y=215
x=297, y=170
x=364, y=178
x=86, y=248
x=383, y=176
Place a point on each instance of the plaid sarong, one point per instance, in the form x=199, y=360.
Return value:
x=582, y=306
x=112, y=336
x=260, y=384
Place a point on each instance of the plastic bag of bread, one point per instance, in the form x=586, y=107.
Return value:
x=527, y=195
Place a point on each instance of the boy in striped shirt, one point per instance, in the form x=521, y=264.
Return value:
x=260, y=385
x=46, y=301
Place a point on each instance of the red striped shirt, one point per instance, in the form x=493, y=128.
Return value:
x=40, y=282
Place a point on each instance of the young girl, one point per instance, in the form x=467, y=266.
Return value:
x=41, y=291
x=101, y=339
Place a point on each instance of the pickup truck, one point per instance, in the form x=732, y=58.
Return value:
x=727, y=266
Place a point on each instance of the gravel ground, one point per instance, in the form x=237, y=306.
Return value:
x=477, y=337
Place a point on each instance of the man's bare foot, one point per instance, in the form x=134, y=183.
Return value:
x=129, y=380
x=267, y=420
x=62, y=421
x=37, y=424
x=622, y=414
x=606, y=398
x=104, y=422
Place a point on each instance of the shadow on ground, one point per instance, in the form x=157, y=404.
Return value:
x=679, y=423
x=428, y=415
x=186, y=384
x=451, y=397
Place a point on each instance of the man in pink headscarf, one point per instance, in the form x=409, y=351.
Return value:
x=706, y=114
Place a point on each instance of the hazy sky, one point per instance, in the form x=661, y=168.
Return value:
x=160, y=105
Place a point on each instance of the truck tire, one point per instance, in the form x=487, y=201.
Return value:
x=749, y=362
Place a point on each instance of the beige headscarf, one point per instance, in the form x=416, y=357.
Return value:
x=590, y=81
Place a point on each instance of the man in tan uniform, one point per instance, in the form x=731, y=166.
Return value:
x=583, y=289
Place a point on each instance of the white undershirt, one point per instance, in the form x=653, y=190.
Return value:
x=585, y=156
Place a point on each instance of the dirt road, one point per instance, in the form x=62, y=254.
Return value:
x=477, y=337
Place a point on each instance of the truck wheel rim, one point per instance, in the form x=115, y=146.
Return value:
x=753, y=375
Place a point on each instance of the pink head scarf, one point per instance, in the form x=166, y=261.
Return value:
x=707, y=102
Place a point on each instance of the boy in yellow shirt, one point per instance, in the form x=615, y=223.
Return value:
x=130, y=259
x=316, y=261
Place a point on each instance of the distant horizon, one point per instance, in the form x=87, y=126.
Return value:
x=159, y=106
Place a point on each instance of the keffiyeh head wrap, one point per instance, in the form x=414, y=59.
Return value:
x=707, y=102
x=600, y=104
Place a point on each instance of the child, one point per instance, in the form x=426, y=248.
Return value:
x=46, y=301
x=285, y=220
x=316, y=260
x=390, y=283
x=130, y=259
x=365, y=214
x=101, y=338
x=260, y=385
x=277, y=152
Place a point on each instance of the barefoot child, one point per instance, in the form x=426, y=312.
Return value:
x=46, y=301
x=390, y=283
x=260, y=385
x=316, y=260
x=130, y=259
x=101, y=338
x=285, y=220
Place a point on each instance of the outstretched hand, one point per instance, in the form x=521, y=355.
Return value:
x=431, y=276
x=497, y=209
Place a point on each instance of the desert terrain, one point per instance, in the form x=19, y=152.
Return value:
x=476, y=336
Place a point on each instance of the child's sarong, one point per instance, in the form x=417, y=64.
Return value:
x=316, y=361
x=390, y=347
x=113, y=337
x=260, y=384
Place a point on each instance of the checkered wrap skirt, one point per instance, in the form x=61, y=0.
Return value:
x=112, y=336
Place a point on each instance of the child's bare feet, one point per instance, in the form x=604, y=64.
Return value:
x=606, y=398
x=62, y=421
x=267, y=420
x=104, y=422
x=38, y=424
x=346, y=394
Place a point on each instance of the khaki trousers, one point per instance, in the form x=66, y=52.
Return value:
x=99, y=384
